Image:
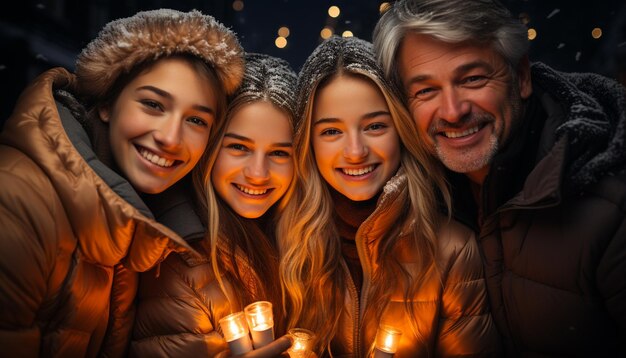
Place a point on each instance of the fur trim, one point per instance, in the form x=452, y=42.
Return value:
x=149, y=35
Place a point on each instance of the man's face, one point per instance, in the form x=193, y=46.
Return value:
x=463, y=98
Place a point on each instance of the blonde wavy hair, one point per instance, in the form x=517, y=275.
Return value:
x=312, y=276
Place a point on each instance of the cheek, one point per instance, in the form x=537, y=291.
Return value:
x=220, y=168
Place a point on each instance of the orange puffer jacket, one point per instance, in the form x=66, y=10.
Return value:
x=73, y=234
x=451, y=309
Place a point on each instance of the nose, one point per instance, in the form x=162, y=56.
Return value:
x=356, y=149
x=453, y=107
x=168, y=134
x=256, y=170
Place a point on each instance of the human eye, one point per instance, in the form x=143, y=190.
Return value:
x=330, y=132
x=423, y=93
x=474, y=80
x=280, y=153
x=238, y=147
x=376, y=126
x=152, y=104
x=197, y=121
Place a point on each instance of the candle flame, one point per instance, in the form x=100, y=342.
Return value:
x=389, y=341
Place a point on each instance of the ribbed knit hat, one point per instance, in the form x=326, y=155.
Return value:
x=269, y=78
x=149, y=35
x=335, y=54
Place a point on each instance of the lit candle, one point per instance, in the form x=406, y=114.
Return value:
x=302, y=342
x=236, y=333
x=387, y=340
x=261, y=322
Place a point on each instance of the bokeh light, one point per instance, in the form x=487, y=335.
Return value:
x=280, y=42
x=596, y=33
x=238, y=5
x=284, y=32
x=326, y=33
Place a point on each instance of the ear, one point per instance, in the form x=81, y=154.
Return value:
x=523, y=78
x=104, y=114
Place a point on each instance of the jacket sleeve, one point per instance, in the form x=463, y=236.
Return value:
x=178, y=311
x=466, y=327
x=31, y=222
x=611, y=278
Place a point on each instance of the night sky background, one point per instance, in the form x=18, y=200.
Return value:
x=38, y=35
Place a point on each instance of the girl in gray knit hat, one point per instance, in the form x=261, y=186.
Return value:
x=249, y=169
x=76, y=227
x=363, y=246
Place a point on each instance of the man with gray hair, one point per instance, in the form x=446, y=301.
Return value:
x=536, y=161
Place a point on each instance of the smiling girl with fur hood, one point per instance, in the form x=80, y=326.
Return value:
x=76, y=180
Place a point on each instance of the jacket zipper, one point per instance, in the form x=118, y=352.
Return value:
x=352, y=291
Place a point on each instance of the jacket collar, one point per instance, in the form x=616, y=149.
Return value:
x=107, y=217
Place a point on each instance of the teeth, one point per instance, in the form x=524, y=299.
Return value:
x=462, y=134
x=355, y=172
x=251, y=191
x=155, y=159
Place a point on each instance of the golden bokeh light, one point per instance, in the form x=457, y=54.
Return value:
x=284, y=32
x=347, y=33
x=596, y=33
x=238, y=5
x=334, y=11
x=326, y=33
x=532, y=34
x=280, y=42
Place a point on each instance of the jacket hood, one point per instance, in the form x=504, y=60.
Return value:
x=594, y=123
x=150, y=35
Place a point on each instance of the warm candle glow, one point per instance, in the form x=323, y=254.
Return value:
x=234, y=326
x=261, y=321
x=259, y=314
x=388, y=338
x=302, y=342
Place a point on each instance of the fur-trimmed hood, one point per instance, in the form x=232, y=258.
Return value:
x=594, y=123
x=149, y=35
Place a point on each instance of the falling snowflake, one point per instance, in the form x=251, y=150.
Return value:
x=561, y=45
x=554, y=12
x=578, y=56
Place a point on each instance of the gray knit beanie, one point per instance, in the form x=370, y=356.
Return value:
x=337, y=54
x=268, y=78
x=149, y=35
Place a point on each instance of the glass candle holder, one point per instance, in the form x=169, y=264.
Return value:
x=261, y=322
x=235, y=332
x=302, y=346
x=387, y=340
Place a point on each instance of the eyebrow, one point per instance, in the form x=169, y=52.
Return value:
x=248, y=140
x=169, y=96
x=364, y=117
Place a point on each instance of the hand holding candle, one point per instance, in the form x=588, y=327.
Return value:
x=387, y=340
x=261, y=322
x=302, y=345
x=236, y=333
